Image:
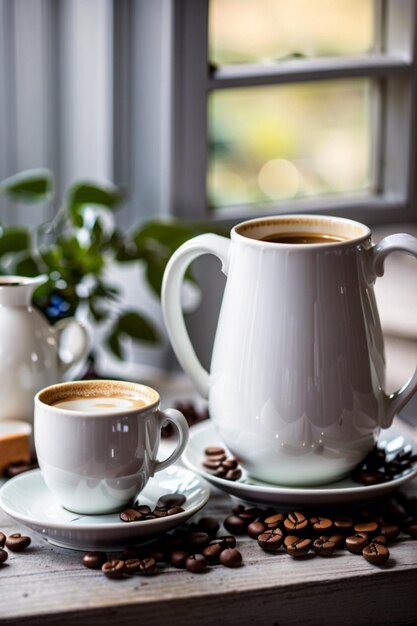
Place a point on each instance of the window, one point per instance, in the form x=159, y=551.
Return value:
x=276, y=114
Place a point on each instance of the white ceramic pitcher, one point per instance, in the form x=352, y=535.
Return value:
x=296, y=386
x=30, y=354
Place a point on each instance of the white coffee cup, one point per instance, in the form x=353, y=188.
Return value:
x=97, y=442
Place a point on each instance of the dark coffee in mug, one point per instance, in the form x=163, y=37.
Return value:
x=300, y=237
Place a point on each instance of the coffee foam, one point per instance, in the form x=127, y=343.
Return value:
x=87, y=396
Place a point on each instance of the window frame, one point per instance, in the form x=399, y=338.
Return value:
x=393, y=64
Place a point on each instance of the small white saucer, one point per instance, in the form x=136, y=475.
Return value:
x=27, y=499
x=344, y=491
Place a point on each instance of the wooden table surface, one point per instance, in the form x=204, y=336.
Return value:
x=46, y=585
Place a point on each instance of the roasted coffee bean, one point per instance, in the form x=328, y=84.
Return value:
x=356, y=543
x=370, y=528
x=143, y=508
x=210, y=464
x=220, y=472
x=114, y=568
x=270, y=540
x=94, y=560
x=131, y=515
x=249, y=515
x=233, y=474
x=160, y=512
x=178, y=558
x=196, y=542
x=338, y=540
x=170, y=500
x=230, y=557
x=159, y=554
x=376, y=553
x=2, y=539
x=299, y=548
x=3, y=556
x=175, y=510
x=226, y=541
x=382, y=539
x=230, y=464
x=212, y=552
x=289, y=539
x=295, y=521
x=369, y=477
x=324, y=547
x=343, y=524
x=235, y=524
x=214, y=451
x=208, y=525
x=255, y=529
x=17, y=542
x=132, y=566
x=147, y=566
x=273, y=521
x=391, y=531
x=196, y=563
x=321, y=524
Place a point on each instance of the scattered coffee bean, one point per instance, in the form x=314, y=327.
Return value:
x=378, y=466
x=226, y=541
x=231, y=557
x=171, y=500
x=196, y=542
x=270, y=540
x=142, y=508
x=214, y=451
x=233, y=474
x=343, y=524
x=255, y=529
x=94, y=560
x=175, y=510
x=410, y=528
x=338, y=540
x=230, y=464
x=2, y=539
x=209, y=525
x=17, y=542
x=391, y=531
x=321, y=524
x=212, y=552
x=289, y=539
x=178, y=559
x=376, y=553
x=3, y=556
x=114, y=568
x=249, y=515
x=382, y=539
x=273, y=521
x=147, y=566
x=324, y=546
x=299, y=548
x=132, y=566
x=370, y=528
x=217, y=464
x=235, y=524
x=356, y=543
x=295, y=521
x=131, y=515
x=196, y=563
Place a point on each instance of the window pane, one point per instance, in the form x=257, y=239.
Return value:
x=252, y=31
x=290, y=141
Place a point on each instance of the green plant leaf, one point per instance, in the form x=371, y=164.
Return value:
x=83, y=193
x=14, y=239
x=27, y=265
x=29, y=186
x=137, y=327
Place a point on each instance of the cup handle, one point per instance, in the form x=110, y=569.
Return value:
x=80, y=345
x=399, y=242
x=177, y=419
x=171, y=301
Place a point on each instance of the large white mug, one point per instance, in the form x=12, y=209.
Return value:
x=296, y=385
x=97, y=442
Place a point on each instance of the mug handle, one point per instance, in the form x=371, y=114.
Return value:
x=399, y=242
x=177, y=419
x=80, y=346
x=171, y=301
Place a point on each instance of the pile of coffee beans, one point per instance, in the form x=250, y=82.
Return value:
x=217, y=463
x=194, y=547
x=14, y=543
x=366, y=532
x=378, y=467
x=169, y=504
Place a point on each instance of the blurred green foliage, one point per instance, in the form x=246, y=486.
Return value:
x=77, y=247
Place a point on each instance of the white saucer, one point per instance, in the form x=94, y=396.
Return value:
x=341, y=492
x=27, y=499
